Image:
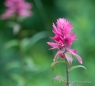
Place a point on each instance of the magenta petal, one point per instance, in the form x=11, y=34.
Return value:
x=77, y=56
x=19, y=7
x=75, y=51
x=73, y=37
x=8, y=13
x=54, y=28
x=53, y=45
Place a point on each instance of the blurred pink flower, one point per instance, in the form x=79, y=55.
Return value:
x=18, y=7
x=63, y=41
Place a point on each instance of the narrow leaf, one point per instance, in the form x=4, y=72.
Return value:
x=52, y=65
x=57, y=62
x=11, y=44
x=35, y=38
x=78, y=66
x=60, y=79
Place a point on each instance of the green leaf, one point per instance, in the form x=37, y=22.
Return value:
x=57, y=62
x=11, y=44
x=52, y=65
x=60, y=79
x=30, y=42
x=78, y=66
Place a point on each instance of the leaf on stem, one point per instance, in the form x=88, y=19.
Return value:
x=78, y=66
x=57, y=62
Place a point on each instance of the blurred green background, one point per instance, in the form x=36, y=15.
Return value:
x=25, y=59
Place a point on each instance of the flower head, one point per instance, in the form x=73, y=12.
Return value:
x=18, y=7
x=63, y=41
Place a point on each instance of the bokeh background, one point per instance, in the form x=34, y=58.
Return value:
x=25, y=59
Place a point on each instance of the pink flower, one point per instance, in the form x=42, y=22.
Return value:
x=63, y=41
x=18, y=7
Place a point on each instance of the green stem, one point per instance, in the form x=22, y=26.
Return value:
x=67, y=73
x=20, y=51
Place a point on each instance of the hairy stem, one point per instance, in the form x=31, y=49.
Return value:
x=67, y=73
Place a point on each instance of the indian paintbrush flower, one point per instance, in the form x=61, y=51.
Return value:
x=18, y=7
x=63, y=41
